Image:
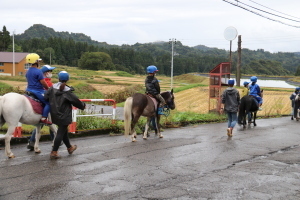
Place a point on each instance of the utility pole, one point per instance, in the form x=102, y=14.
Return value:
x=239, y=59
x=173, y=41
x=14, y=65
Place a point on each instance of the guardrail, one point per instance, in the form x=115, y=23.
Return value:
x=72, y=126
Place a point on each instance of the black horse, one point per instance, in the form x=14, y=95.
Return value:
x=142, y=105
x=248, y=105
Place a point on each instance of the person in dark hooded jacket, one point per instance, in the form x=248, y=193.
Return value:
x=153, y=88
x=230, y=103
x=62, y=99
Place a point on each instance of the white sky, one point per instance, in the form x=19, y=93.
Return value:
x=193, y=22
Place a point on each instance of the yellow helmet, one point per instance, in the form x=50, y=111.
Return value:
x=32, y=58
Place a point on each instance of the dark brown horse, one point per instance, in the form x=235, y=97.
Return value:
x=248, y=105
x=142, y=105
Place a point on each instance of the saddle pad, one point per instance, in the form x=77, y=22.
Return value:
x=37, y=106
x=154, y=101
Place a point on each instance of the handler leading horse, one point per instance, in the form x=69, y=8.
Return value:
x=16, y=108
x=141, y=105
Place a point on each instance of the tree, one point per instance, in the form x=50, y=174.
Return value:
x=17, y=48
x=5, y=39
x=96, y=61
x=298, y=71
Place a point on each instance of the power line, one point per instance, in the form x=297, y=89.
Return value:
x=266, y=11
x=273, y=9
x=261, y=14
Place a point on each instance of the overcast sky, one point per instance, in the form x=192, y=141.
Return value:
x=193, y=22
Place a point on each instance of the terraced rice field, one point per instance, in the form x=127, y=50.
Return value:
x=197, y=100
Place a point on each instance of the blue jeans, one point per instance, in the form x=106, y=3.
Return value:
x=32, y=137
x=232, y=119
x=40, y=96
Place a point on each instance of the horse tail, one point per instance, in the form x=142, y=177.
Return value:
x=128, y=115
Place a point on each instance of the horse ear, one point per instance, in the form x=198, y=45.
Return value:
x=172, y=91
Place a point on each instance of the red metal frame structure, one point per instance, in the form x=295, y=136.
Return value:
x=218, y=77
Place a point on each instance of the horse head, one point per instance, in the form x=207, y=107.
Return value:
x=169, y=98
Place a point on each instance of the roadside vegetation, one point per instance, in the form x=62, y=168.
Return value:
x=193, y=105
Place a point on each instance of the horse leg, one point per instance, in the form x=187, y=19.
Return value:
x=157, y=119
x=146, y=128
x=53, y=128
x=8, y=135
x=133, y=123
x=37, y=139
x=254, y=117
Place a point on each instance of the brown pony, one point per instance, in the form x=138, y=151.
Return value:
x=141, y=105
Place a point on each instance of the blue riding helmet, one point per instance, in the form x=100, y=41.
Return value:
x=47, y=68
x=63, y=76
x=253, y=79
x=246, y=83
x=231, y=82
x=298, y=88
x=151, y=69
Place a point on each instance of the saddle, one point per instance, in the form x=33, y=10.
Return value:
x=155, y=101
x=36, y=104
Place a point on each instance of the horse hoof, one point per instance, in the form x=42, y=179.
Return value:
x=38, y=151
x=12, y=156
x=161, y=136
x=145, y=138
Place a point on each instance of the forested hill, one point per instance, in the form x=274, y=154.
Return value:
x=41, y=31
x=68, y=48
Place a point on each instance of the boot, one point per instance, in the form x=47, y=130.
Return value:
x=160, y=111
x=72, y=149
x=54, y=155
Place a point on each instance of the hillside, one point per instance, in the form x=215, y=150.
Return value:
x=67, y=49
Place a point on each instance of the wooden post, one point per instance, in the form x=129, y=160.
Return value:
x=238, y=67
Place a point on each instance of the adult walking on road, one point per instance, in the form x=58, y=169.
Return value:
x=230, y=103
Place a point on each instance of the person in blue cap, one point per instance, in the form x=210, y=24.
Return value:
x=230, y=101
x=292, y=98
x=254, y=90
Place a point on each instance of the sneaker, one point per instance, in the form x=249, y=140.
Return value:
x=260, y=109
x=72, y=149
x=45, y=122
x=30, y=145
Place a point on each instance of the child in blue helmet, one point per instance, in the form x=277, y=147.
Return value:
x=153, y=87
x=62, y=98
x=230, y=101
x=292, y=98
x=254, y=90
x=245, y=91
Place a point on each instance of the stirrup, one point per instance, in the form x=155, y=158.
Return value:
x=160, y=111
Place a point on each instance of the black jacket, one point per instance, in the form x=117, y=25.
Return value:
x=61, y=104
x=152, y=85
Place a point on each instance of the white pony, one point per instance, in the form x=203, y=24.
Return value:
x=16, y=108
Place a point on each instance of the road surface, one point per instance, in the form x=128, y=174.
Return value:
x=196, y=162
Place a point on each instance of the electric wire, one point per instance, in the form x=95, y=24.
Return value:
x=261, y=14
x=274, y=10
x=266, y=11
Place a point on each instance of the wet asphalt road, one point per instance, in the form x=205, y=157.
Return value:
x=198, y=162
